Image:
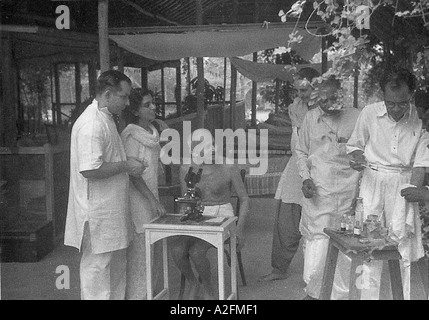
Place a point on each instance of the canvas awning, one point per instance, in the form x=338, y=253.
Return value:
x=231, y=43
x=261, y=72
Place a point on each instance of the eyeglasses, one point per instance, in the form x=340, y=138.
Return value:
x=401, y=104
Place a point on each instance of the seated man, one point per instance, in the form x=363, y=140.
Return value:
x=216, y=185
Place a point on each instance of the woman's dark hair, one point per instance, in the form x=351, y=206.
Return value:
x=111, y=79
x=396, y=77
x=136, y=98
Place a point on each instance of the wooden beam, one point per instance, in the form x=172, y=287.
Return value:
x=163, y=92
x=224, y=93
x=103, y=34
x=147, y=13
x=233, y=91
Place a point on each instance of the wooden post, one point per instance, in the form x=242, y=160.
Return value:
x=188, y=76
x=254, y=83
x=233, y=91
x=78, y=85
x=200, y=72
x=57, y=114
x=324, y=56
x=9, y=105
x=277, y=97
x=103, y=34
x=178, y=93
x=224, y=94
x=92, y=75
x=144, y=77
x=356, y=88
x=254, y=95
x=162, y=93
x=120, y=59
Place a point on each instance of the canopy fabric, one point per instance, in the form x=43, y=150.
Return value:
x=261, y=72
x=172, y=46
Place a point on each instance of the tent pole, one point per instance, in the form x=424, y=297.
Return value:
x=103, y=34
x=200, y=72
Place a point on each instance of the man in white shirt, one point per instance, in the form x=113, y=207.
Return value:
x=386, y=138
x=97, y=216
x=329, y=184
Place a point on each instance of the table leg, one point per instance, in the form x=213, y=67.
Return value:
x=221, y=269
x=355, y=287
x=165, y=265
x=233, y=243
x=329, y=272
x=396, y=280
x=148, y=265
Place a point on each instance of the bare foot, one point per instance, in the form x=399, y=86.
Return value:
x=273, y=276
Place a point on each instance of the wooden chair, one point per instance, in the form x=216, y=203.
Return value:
x=227, y=252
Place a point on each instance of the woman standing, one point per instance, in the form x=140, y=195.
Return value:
x=141, y=141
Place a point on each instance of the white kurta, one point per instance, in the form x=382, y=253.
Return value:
x=148, y=149
x=321, y=153
x=101, y=202
x=289, y=187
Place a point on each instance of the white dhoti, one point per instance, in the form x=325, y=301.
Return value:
x=315, y=252
x=380, y=191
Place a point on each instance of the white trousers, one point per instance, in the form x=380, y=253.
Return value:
x=315, y=252
x=102, y=275
x=136, y=267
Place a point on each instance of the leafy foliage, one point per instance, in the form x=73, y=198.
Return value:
x=367, y=35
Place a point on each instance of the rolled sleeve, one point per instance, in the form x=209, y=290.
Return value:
x=360, y=134
x=90, y=146
x=422, y=152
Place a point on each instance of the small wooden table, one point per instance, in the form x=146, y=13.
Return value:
x=359, y=252
x=214, y=233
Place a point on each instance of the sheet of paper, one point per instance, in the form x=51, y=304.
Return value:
x=216, y=219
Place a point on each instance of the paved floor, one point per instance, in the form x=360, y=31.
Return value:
x=26, y=281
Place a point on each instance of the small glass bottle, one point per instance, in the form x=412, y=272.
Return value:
x=357, y=229
x=343, y=223
x=350, y=222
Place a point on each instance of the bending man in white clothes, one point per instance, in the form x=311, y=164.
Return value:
x=386, y=138
x=98, y=218
x=329, y=184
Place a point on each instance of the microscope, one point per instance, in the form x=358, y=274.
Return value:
x=191, y=200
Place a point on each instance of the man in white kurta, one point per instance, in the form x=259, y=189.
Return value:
x=329, y=186
x=98, y=214
x=386, y=137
